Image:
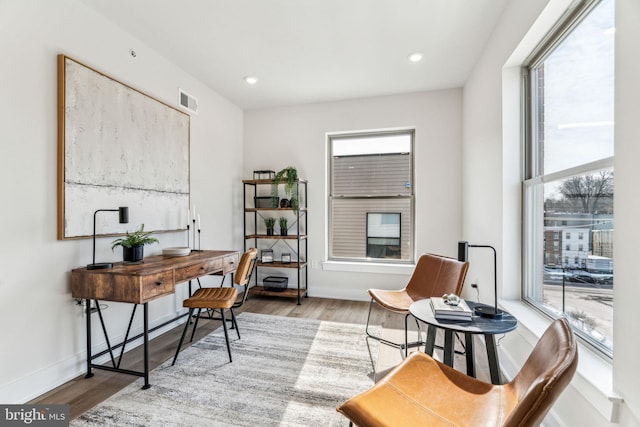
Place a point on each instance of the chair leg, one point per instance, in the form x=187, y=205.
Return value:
x=366, y=329
x=184, y=332
x=234, y=323
x=195, y=324
x=391, y=343
x=226, y=333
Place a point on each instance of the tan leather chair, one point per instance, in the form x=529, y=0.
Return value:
x=424, y=392
x=221, y=299
x=434, y=276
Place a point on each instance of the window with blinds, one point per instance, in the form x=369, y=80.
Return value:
x=371, y=197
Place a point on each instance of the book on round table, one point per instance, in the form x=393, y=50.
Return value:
x=442, y=310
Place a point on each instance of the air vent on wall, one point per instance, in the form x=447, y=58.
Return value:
x=187, y=101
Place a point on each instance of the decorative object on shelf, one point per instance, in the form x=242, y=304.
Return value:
x=285, y=258
x=133, y=244
x=199, y=227
x=177, y=251
x=196, y=227
x=275, y=283
x=264, y=174
x=270, y=223
x=123, y=213
x=265, y=202
x=266, y=256
x=288, y=176
x=284, y=203
x=283, y=225
x=483, y=310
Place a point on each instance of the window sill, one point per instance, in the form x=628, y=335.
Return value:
x=366, y=267
x=594, y=376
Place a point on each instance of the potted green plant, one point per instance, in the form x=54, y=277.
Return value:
x=133, y=244
x=289, y=177
x=283, y=225
x=270, y=223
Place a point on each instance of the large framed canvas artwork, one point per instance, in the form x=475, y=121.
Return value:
x=118, y=147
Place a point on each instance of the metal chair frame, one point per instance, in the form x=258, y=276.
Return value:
x=243, y=281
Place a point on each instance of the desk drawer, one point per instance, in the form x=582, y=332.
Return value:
x=230, y=263
x=196, y=270
x=156, y=285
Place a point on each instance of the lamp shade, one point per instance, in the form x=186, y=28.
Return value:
x=463, y=251
x=123, y=213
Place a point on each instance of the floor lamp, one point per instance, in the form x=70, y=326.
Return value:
x=484, y=310
x=124, y=219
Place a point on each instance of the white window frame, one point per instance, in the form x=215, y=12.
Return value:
x=377, y=265
x=533, y=184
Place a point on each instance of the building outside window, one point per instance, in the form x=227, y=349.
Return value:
x=383, y=235
x=371, y=198
x=569, y=176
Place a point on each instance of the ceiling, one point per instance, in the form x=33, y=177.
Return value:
x=307, y=51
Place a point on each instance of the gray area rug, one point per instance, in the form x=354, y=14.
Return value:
x=285, y=372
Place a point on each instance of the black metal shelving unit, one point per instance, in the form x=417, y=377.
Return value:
x=296, y=242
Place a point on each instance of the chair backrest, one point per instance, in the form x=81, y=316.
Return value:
x=436, y=275
x=245, y=267
x=544, y=375
x=242, y=277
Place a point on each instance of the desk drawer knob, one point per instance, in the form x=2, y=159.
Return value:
x=158, y=283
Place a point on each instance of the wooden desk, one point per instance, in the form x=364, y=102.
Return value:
x=137, y=284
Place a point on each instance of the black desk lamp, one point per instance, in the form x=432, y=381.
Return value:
x=124, y=219
x=484, y=310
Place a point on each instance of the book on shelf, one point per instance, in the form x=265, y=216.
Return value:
x=444, y=311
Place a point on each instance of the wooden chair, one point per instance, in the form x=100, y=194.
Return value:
x=221, y=299
x=434, y=276
x=421, y=391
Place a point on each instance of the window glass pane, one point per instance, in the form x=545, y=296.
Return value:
x=349, y=226
x=367, y=175
x=575, y=94
x=371, y=144
x=578, y=280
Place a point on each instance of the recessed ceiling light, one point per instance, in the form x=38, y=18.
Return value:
x=415, y=57
x=251, y=80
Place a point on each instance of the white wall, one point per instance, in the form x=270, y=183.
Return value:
x=491, y=176
x=296, y=136
x=41, y=328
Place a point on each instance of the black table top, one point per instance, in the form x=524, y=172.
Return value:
x=422, y=311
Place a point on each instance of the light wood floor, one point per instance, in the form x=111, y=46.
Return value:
x=82, y=394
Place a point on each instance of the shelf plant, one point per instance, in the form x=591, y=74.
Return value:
x=270, y=223
x=283, y=221
x=289, y=177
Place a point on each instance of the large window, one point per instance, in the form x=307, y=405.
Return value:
x=371, y=197
x=569, y=179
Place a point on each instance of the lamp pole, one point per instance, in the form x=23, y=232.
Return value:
x=484, y=310
x=123, y=219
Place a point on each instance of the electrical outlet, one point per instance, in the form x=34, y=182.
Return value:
x=474, y=285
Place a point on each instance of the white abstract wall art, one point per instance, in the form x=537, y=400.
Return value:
x=117, y=147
